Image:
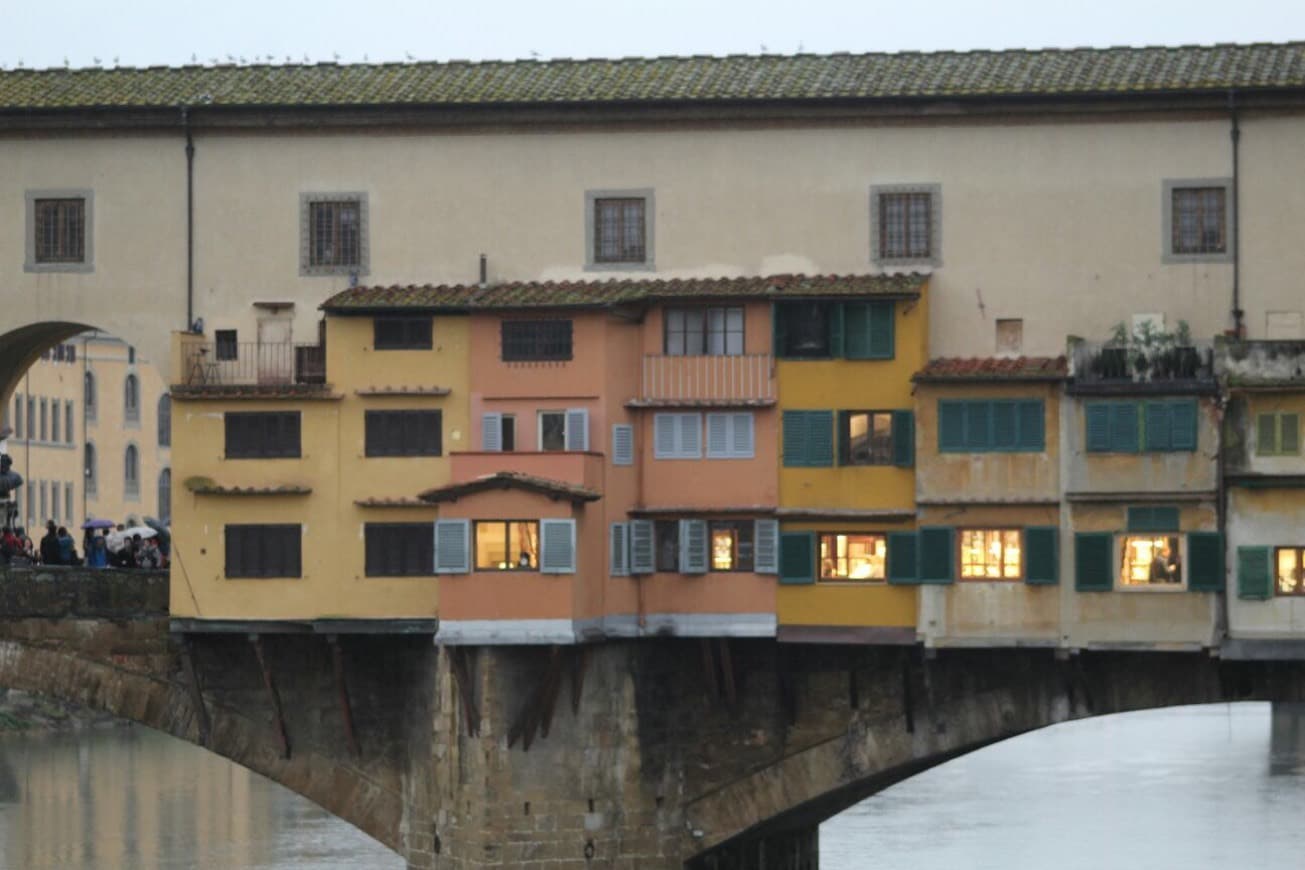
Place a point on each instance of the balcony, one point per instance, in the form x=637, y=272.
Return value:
x=1261, y=363
x=1139, y=367
x=250, y=363
x=739, y=380
x=577, y=469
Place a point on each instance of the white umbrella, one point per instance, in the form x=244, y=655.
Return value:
x=117, y=540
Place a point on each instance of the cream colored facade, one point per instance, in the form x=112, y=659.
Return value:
x=73, y=454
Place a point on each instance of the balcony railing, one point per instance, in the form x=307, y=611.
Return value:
x=249, y=363
x=1115, y=363
x=746, y=378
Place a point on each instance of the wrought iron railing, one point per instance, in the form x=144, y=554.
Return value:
x=253, y=363
x=742, y=378
x=1137, y=362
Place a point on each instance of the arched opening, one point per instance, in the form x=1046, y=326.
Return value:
x=165, y=420
x=165, y=497
x=131, y=472
x=131, y=396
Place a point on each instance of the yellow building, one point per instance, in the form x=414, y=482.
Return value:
x=846, y=479
x=91, y=435
x=296, y=501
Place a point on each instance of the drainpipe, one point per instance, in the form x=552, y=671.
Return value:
x=1239, y=328
x=190, y=218
x=86, y=434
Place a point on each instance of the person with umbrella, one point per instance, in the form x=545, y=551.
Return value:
x=97, y=555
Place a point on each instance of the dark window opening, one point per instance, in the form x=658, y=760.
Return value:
x=404, y=433
x=667, y=534
x=403, y=333
x=334, y=233
x=226, y=346
x=399, y=549
x=905, y=225
x=619, y=230
x=263, y=551
x=1198, y=220
x=60, y=230
x=526, y=340
x=262, y=435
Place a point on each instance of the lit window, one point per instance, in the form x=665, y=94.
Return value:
x=731, y=546
x=990, y=554
x=869, y=438
x=853, y=557
x=507, y=545
x=1289, y=565
x=1150, y=560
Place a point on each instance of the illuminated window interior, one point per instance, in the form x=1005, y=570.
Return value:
x=990, y=554
x=1288, y=568
x=853, y=557
x=507, y=545
x=1150, y=560
x=731, y=545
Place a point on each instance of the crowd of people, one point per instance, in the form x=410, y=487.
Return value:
x=101, y=548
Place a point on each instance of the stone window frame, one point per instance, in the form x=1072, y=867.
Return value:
x=935, y=224
x=88, y=230
x=647, y=194
x=1168, y=186
x=363, y=267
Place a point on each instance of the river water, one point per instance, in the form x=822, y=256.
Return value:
x=1200, y=788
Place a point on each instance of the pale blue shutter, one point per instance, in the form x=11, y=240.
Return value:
x=741, y=436
x=622, y=444
x=619, y=544
x=641, y=547
x=693, y=546
x=718, y=436
x=765, y=536
x=557, y=546
x=664, y=432
x=491, y=432
x=577, y=429
x=689, y=441
x=452, y=546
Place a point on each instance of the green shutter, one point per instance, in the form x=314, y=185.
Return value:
x=1254, y=573
x=1032, y=425
x=903, y=558
x=951, y=426
x=1093, y=560
x=1123, y=427
x=1098, y=427
x=1005, y=434
x=835, y=329
x=937, y=554
x=856, y=330
x=1153, y=519
x=1289, y=441
x=808, y=439
x=978, y=425
x=1205, y=569
x=1182, y=424
x=1155, y=422
x=843, y=436
x=904, y=439
x=797, y=558
x=881, y=330
x=1266, y=434
x=795, y=439
x=1041, y=555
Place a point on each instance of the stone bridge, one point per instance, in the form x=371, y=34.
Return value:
x=659, y=753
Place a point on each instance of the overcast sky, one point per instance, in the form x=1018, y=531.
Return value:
x=144, y=32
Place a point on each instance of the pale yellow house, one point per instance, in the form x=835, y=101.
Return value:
x=91, y=435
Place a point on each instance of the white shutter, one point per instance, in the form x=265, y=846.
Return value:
x=765, y=537
x=491, y=432
x=622, y=444
x=689, y=429
x=452, y=547
x=693, y=546
x=664, y=439
x=619, y=544
x=718, y=436
x=557, y=546
x=641, y=547
x=741, y=438
x=577, y=429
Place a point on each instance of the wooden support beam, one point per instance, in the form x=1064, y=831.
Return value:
x=462, y=678
x=908, y=701
x=196, y=691
x=552, y=687
x=539, y=706
x=579, y=664
x=853, y=689
x=256, y=641
x=342, y=692
x=709, y=670
x=727, y=674
x=787, y=691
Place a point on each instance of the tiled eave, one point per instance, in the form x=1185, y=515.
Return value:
x=698, y=510
x=403, y=391
x=254, y=392
x=248, y=491
x=1013, y=501
x=636, y=404
x=391, y=503
x=555, y=489
x=1265, y=481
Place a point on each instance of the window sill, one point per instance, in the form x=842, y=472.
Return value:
x=73, y=268
x=620, y=267
x=1171, y=259
x=852, y=584
x=1164, y=588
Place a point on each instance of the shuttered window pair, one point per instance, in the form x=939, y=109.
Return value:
x=399, y=549
x=860, y=330
x=262, y=434
x=808, y=438
x=992, y=425
x=729, y=435
x=402, y=333
x=1263, y=572
x=1097, y=568
x=695, y=546
x=263, y=551
x=1130, y=427
x=1277, y=434
x=554, y=552
x=403, y=433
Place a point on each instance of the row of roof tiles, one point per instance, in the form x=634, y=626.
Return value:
x=907, y=75
x=590, y=294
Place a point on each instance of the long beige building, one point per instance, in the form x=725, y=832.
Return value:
x=91, y=434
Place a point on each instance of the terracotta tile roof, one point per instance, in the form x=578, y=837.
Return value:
x=319, y=392
x=391, y=503
x=701, y=403
x=556, y=489
x=899, y=75
x=1021, y=368
x=589, y=294
x=403, y=391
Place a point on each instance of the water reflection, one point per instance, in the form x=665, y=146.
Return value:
x=1198, y=788
x=133, y=799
